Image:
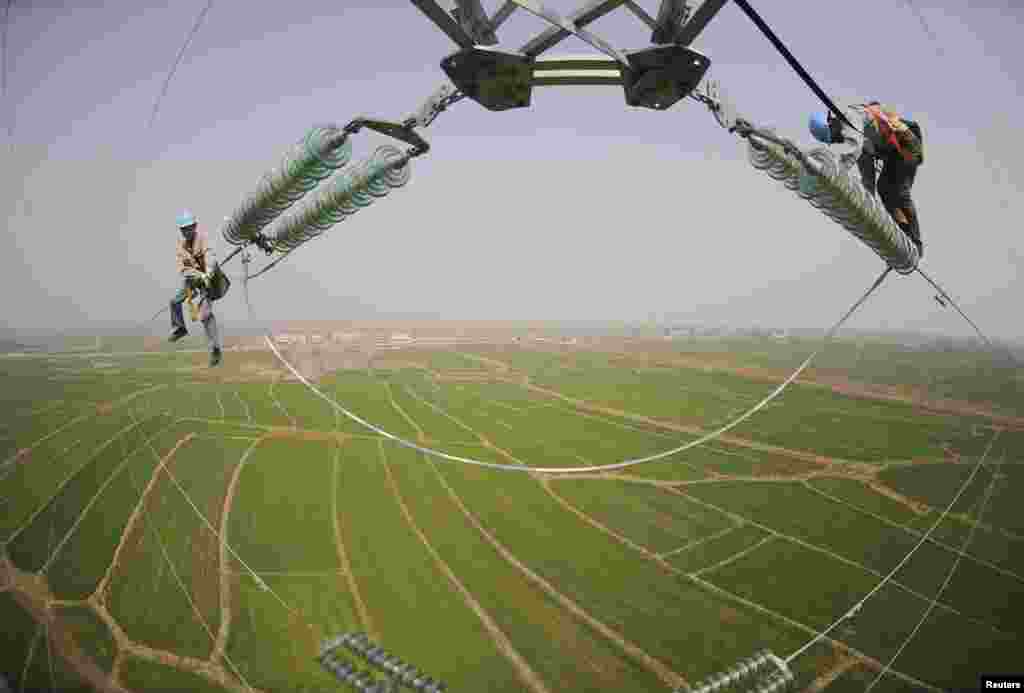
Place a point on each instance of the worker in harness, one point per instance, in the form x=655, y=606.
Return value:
x=197, y=265
x=887, y=137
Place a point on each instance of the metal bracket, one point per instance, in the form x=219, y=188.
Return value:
x=497, y=80
x=399, y=131
x=659, y=77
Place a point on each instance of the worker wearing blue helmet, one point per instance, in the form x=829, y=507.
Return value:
x=196, y=265
x=884, y=136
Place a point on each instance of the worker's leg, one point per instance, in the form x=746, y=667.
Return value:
x=177, y=317
x=209, y=321
x=894, y=185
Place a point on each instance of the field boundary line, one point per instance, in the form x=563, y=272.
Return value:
x=607, y=419
x=733, y=558
x=697, y=542
x=277, y=403
x=96, y=453
x=420, y=433
x=223, y=411
x=35, y=411
x=195, y=608
x=915, y=532
x=76, y=420
x=546, y=485
x=245, y=406
x=694, y=577
x=630, y=649
x=224, y=627
x=828, y=677
x=417, y=396
x=850, y=562
x=101, y=587
x=867, y=659
x=526, y=673
x=130, y=648
x=681, y=428
x=31, y=655
x=96, y=496
x=339, y=545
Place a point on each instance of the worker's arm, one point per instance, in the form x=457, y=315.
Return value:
x=184, y=260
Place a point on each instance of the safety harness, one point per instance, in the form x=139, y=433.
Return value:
x=895, y=132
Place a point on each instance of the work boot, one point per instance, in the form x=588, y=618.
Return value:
x=177, y=334
x=215, y=356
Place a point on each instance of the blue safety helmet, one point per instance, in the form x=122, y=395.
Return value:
x=186, y=219
x=818, y=124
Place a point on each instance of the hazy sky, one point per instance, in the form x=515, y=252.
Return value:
x=576, y=208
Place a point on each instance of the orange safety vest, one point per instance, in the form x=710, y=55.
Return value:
x=892, y=129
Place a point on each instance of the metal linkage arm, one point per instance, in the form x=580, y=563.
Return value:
x=435, y=105
x=671, y=15
x=698, y=21
x=471, y=15
x=400, y=131
x=445, y=22
x=552, y=36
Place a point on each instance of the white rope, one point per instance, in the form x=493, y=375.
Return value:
x=592, y=468
x=949, y=577
x=856, y=607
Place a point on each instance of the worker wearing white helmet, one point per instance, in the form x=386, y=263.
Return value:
x=196, y=264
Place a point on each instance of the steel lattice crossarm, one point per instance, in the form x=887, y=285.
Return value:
x=655, y=77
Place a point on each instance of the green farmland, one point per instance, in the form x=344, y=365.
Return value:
x=167, y=527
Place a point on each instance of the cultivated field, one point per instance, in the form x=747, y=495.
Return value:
x=166, y=527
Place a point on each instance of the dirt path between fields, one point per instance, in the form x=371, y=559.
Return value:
x=99, y=594
x=630, y=649
x=526, y=674
x=693, y=577
x=837, y=384
x=101, y=409
x=32, y=592
x=828, y=677
x=633, y=651
x=346, y=565
x=223, y=575
x=691, y=430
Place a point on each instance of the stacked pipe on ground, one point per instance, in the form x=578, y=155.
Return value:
x=819, y=178
x=345, y=194
x=322, y=151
